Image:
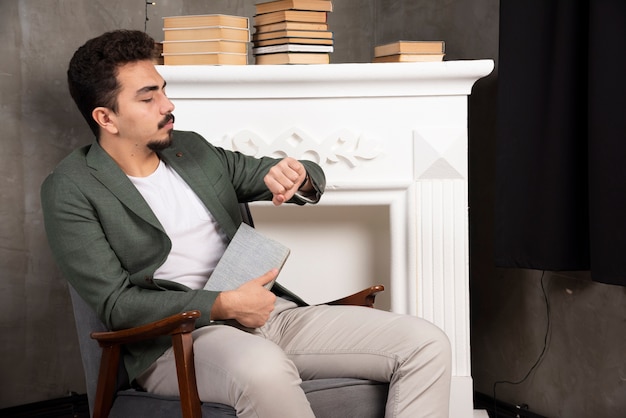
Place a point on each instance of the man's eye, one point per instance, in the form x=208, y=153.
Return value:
x=147, y=100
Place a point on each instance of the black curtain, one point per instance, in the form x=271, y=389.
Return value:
x=561, y=156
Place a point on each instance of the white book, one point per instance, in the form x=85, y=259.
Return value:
x=249, y=255
x=271, y=49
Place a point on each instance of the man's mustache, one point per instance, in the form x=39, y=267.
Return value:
x=169, y=117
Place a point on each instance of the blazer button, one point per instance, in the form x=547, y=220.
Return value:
x=179, y=154
x=148, y=279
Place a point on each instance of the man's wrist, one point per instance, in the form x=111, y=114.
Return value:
x=219, y=310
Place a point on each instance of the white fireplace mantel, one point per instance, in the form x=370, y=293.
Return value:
x=336, y=80
x=392, y=140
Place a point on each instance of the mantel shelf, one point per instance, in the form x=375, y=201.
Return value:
x=332, y=80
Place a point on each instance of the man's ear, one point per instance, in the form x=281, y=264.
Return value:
x=105, y=117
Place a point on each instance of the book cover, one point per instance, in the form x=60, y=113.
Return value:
x=409, y=58
x=292, y=58
x=205, y=59
x=286, y=25
x=206, y=33
x=249, y=255
x=292, y=34
x=291, y=15
x=289, y=47
x=187, y=47
x=410, y=47
x=194, y=21
x=276, y=5
x=279, y=41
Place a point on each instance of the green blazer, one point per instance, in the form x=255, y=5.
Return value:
x=108, y=242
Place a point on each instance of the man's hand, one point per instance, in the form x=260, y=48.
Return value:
x=250, y=304
x=284, y=180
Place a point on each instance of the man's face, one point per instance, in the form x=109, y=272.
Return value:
x=144, y=113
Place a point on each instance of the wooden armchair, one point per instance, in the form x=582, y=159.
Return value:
x=179, y=327
x=109, y=393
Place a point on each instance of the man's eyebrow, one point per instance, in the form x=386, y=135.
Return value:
x=148, y=89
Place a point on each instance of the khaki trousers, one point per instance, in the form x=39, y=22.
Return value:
x=258, y=372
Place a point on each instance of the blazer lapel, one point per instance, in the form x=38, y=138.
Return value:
x=113, y=178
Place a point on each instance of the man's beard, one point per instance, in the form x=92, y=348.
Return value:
x=161, y=144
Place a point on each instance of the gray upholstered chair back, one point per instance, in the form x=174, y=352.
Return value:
x=87, y=322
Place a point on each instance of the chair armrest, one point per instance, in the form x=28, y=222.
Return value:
x=365, y=297
x=174, y=324
x=179, y=326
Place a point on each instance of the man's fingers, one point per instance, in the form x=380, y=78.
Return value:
x=278, y=199
x=287, y=172
x=284, y=179
x=267, y=277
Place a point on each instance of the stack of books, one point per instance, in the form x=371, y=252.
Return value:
x=292, y=32
x=410, y=51
x=214, y=39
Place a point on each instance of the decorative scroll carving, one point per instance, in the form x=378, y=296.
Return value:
x=342, y=147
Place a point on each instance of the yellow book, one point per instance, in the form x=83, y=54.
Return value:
x=290, y=15
x=315, y=34
x=410, y=47
x=205, y=59
x=286, y=25
x=409, y=58
x=206, y=33
x=293, y=58
x=307, y=41
x=186, y=47
x=276, y=5
x=194, y=21
x=273, y=49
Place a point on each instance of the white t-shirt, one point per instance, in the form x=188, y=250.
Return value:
x=197, y=240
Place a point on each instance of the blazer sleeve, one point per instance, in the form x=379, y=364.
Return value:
x=246, y=173
x=122, y=296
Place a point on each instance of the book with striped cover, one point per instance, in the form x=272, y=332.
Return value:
x=249, y=255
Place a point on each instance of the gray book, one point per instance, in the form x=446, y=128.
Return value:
x=249, y=255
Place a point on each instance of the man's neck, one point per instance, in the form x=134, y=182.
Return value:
x=133, y=160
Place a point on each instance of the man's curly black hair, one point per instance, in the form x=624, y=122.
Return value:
x=92, y=73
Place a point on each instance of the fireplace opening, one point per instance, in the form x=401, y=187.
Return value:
x=336, y=250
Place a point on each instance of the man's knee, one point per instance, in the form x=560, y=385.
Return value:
x=265, y=368
x=263, y=377
x=430, y=341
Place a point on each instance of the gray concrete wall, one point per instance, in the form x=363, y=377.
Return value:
x=583, y=372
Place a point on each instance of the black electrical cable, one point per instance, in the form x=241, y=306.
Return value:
x=541, y=355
